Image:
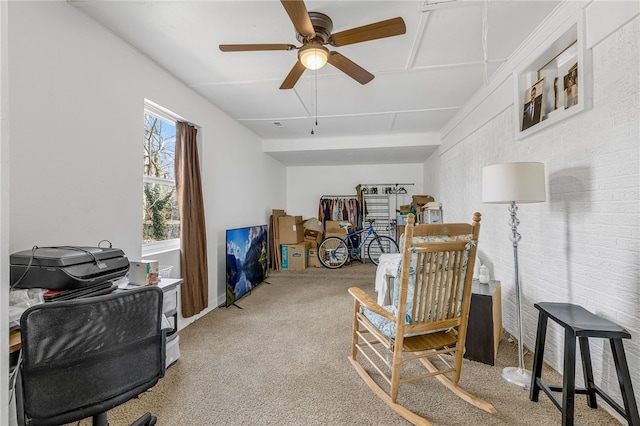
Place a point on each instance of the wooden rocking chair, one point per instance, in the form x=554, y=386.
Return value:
x=428, y=317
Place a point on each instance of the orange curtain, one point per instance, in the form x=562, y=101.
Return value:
x=193, y=238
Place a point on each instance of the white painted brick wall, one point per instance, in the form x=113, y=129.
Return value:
x=583, y=245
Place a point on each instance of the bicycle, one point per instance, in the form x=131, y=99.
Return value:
x=333, y=252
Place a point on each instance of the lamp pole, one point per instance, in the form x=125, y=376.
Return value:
x=517, y=375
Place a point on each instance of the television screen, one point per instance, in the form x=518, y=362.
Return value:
x=247, y=260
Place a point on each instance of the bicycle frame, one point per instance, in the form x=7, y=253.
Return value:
x=370, y=231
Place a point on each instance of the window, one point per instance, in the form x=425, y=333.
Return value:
x=160, y=216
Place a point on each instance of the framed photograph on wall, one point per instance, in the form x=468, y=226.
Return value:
x=560, y=62
x=533, y=104
x=571, y=87
x=554, y=71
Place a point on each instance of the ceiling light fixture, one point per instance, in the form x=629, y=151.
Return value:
x=313, y=56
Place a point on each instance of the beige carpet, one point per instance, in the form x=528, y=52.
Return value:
x=282, y=360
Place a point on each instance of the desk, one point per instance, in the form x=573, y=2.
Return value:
x=14, y=341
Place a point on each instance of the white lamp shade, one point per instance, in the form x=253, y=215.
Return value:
x=513, y=182
x=313, y=57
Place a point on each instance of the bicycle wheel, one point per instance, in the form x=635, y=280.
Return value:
x=380, y=245
x=333, y=252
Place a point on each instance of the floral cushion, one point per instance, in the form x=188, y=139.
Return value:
x=388, y=328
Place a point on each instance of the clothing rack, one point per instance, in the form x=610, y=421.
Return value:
x=340, y=208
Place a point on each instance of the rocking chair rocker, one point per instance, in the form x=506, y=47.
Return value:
x=428, y=317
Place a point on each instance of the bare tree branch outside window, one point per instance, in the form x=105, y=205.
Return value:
x=161, y=219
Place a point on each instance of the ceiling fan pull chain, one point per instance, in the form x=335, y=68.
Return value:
x=485, y=30
x=315, y=97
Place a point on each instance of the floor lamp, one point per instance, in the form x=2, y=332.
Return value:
x=512, y=183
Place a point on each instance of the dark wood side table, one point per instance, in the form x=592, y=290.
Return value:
x=484, y=331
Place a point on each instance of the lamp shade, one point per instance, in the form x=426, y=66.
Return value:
x=513, y=182
x=313, y=56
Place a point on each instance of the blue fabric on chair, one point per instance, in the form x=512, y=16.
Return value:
x=387, y=327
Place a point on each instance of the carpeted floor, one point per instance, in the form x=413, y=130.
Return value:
x=282, y=360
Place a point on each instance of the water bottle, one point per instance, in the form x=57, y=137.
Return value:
x=483, y=276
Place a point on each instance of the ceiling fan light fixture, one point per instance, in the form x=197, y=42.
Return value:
x=313, y=57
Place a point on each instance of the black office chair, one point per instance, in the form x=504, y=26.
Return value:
x=83, y=357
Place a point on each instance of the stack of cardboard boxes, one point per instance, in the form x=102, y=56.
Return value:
x=295, y=241
x=418, y=204
x=313, y=234
x=298, y=242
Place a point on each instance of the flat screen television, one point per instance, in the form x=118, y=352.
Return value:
x=247, y=260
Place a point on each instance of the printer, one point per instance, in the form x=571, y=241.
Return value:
x=66, y=267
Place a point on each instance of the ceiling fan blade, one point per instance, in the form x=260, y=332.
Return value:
x=294, y=75
x=253, y=47
x=350, y=68
x=389, y=28
x=298, y=14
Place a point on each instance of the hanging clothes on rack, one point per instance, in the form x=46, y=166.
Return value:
x=344, y=208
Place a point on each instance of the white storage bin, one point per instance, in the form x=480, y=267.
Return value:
x=172, y=323
x=170, y=301
x=173, y=350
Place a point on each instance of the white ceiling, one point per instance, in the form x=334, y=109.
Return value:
x=422, y=78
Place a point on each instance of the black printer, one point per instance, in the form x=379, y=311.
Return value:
x=66, y=267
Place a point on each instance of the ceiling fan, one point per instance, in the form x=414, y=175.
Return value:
x=313, y=30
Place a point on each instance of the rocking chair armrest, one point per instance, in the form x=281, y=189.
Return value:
x=367, y=301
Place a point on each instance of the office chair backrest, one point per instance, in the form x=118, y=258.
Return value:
x=85, y=356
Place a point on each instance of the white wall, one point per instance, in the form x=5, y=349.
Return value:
x=432, y=177
x=4, y=212
x=582, y=245
x=305, y=185
x=77, y=94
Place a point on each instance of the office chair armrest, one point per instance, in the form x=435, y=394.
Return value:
x=365, y=300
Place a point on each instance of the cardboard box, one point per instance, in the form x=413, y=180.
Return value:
x=313, y=260
x=274, y=239
x=143, y=272
x=313, y=236
x=290, y=229
x=313, y=224
x=332, y=229
x=295, y=256
x=421, y=200
x=405, y=208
